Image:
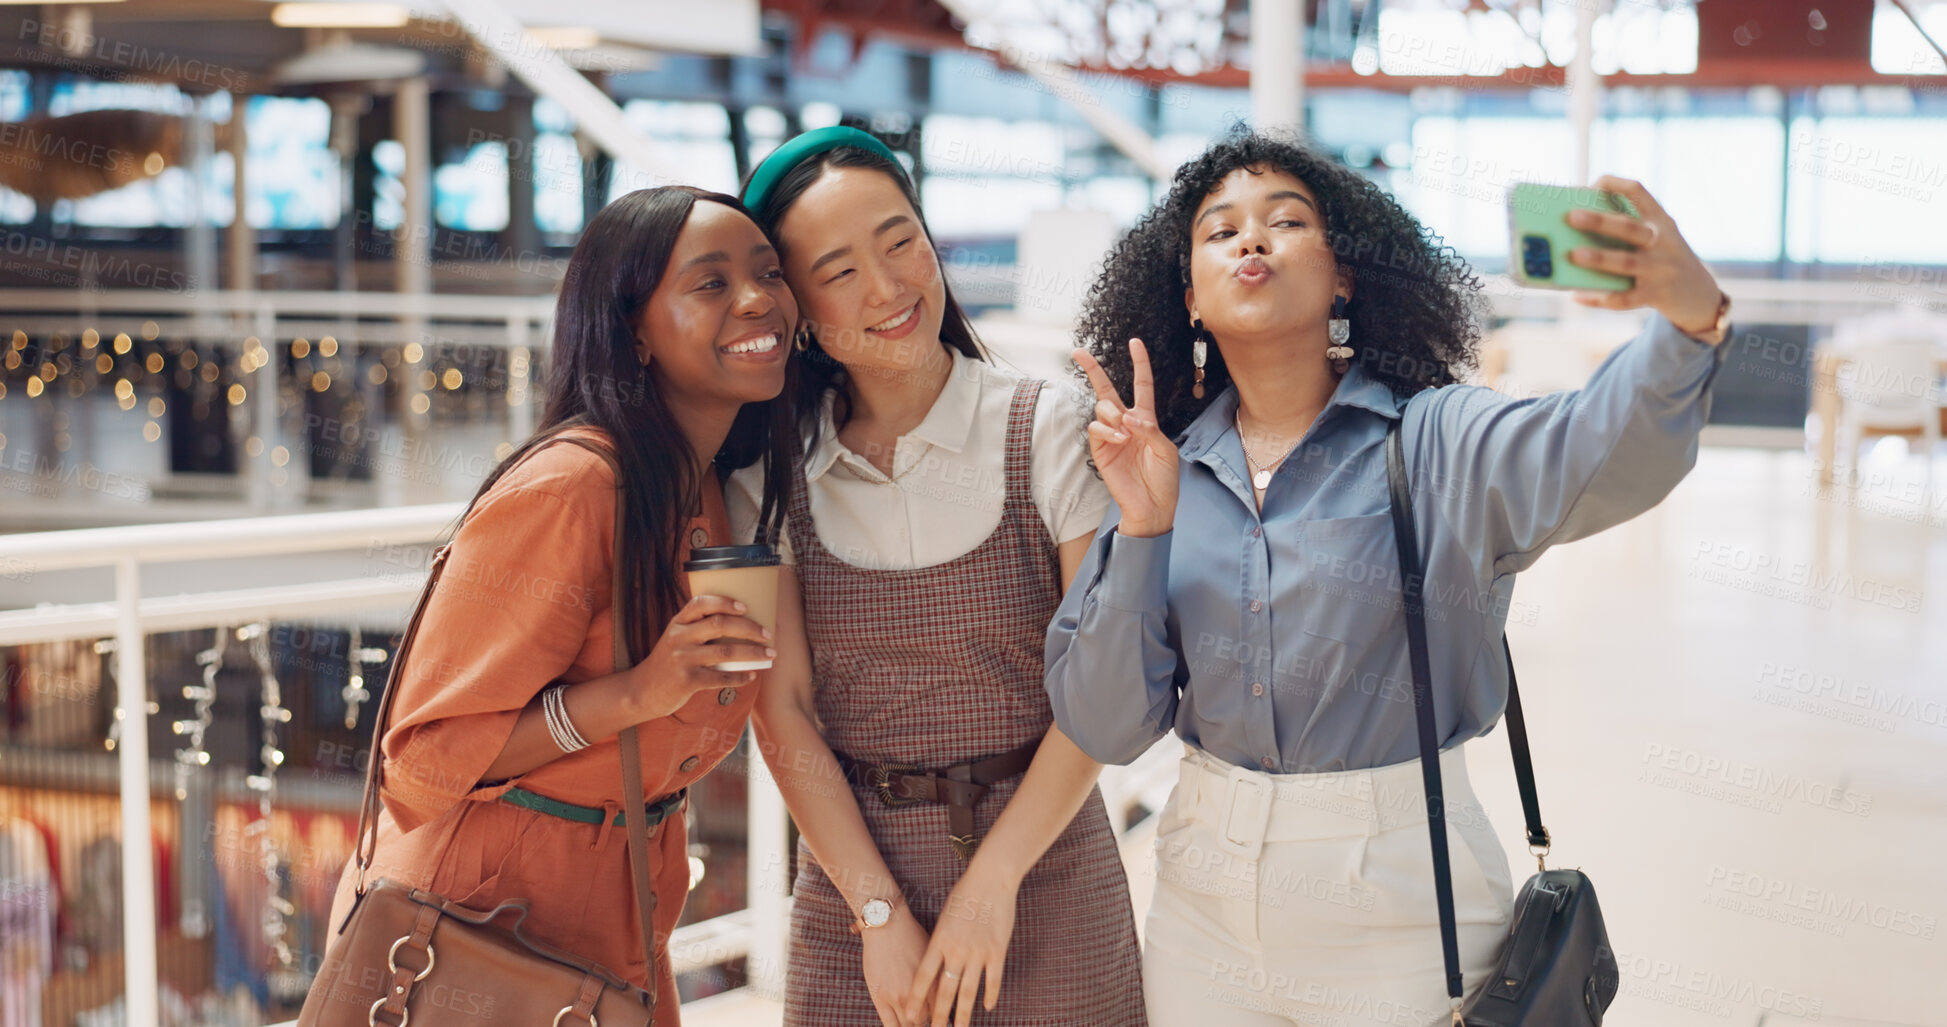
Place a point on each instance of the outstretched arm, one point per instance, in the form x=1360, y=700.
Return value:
x=1522, y=475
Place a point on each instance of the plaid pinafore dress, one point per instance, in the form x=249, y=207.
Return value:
x=942, y=665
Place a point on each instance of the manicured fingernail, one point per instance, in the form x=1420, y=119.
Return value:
x=1119, y=437
x=767, y=637
x=768, y=653
x=738, y=606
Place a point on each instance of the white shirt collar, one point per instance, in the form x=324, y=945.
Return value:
x=948, y=424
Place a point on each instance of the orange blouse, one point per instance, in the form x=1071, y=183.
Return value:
x=523, y=602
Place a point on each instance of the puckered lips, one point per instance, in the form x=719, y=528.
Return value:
x=1252, y=270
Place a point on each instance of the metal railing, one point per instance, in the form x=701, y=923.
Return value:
x=755, y=933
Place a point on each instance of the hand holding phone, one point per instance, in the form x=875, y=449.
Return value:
x=1544, y=238
x=1616, y=247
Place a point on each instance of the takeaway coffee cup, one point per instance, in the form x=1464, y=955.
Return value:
x=747, y=574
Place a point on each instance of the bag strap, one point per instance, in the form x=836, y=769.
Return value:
x=635, y=813
x=1413, y=586
x=368, y=807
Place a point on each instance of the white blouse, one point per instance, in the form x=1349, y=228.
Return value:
x=948, y=484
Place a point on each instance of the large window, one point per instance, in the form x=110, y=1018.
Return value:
x=472, y=194
x=294, y=174
x=1718, y=177
x=1432, y=37
x=691, y=139
x=167, y=199
x=1899, y=49
x=1462, y=168
x=985, y=176
x=556, y=167
x=1867, y=189
x=388, y=184
x=14, y=101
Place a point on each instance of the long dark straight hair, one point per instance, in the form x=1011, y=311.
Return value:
x=596, y=381
x=819, y=372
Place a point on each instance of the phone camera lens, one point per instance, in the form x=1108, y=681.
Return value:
x=1536, y=259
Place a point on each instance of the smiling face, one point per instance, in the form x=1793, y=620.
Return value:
x=717, y=329
x=861, y=265
x=1261, y=264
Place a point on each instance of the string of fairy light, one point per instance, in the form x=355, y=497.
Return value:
x=140, y=368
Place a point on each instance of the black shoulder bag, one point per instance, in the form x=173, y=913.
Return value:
x=1556, y=966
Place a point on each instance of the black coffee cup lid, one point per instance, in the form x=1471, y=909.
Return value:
x=720, y=558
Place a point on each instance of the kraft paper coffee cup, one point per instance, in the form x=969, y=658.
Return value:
x=747, y=574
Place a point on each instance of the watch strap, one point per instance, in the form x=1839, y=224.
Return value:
x=1720, y=327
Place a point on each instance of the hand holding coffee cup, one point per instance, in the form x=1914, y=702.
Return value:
x=745, y=574
x=704, y=633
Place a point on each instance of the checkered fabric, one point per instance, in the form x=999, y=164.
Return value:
x=941, y=665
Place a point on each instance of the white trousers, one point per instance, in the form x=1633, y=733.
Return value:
x=1308, y=898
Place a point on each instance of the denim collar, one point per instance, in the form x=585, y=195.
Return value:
x=1219, y=420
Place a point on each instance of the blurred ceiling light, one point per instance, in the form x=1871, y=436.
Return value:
x=340, y=15
x=351, y=62
x=566, y=37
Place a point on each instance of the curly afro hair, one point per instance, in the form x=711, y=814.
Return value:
x=1416, y=307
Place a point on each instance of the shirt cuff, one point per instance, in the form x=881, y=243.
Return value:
x=1679, y=358
x=1135, y=572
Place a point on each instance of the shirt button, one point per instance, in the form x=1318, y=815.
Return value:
x=1257, y=532
x=726, y=696
x=1256, y=605
x=1268, y=763
x=690, y=764
x=699, y=538
x=1257, y=688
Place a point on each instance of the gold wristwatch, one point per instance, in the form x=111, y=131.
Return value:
x=874, y=913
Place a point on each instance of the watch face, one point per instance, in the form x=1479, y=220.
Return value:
x=876, y=912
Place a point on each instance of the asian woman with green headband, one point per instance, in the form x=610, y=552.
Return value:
x=950, y=835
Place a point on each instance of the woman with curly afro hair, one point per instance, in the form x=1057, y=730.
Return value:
x=1253, y=343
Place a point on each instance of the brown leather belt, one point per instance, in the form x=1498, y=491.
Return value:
x=959, y=787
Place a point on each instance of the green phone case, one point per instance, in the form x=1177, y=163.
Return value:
x=1539, y=238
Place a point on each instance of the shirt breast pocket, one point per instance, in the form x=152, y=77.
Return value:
x=1345, y=589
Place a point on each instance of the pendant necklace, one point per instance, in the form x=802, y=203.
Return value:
x=1260, y=476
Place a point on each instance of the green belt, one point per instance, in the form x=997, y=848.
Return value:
x=658, y=811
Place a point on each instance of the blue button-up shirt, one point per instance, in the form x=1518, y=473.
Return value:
x=1275, y=639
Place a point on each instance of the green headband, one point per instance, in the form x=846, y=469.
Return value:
x=772, y=169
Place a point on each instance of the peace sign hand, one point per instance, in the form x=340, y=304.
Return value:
x=1137, y=462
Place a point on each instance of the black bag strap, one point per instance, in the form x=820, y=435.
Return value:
x=1413, y=588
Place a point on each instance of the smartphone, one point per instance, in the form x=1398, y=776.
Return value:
x=1541, y=238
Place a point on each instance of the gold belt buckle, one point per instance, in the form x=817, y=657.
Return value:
x=879, y=776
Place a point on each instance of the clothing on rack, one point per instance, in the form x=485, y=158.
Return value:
x=27, y=901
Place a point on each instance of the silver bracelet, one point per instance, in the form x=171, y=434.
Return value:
x=554, y=708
